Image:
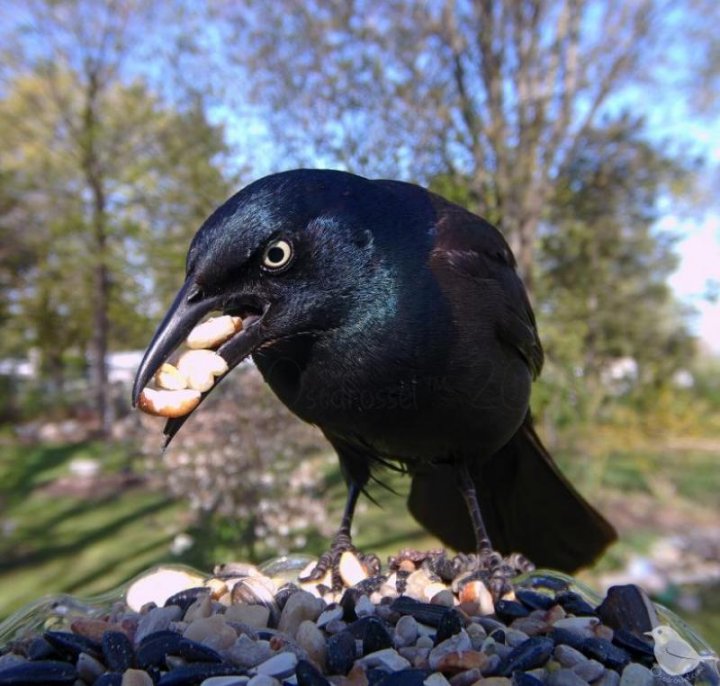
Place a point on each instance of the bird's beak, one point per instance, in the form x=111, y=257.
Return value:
x=184, y=314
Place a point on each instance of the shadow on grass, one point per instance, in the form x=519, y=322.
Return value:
x=26, y=468
x=100, y=571
x=47, y=551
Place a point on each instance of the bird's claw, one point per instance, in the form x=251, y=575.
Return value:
x=330, y=562
x=494, y=570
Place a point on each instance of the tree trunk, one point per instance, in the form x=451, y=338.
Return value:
x=101, y=277
x=101, y=321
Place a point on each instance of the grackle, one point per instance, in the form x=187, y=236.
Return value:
x=396, y=322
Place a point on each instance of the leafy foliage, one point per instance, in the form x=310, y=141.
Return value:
x=610, y=322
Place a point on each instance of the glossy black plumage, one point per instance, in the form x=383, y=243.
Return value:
x=401, y=328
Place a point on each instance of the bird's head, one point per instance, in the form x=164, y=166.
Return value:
x=292, y=254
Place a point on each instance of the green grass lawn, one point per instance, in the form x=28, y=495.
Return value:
x=54, y=543
x=56, y=540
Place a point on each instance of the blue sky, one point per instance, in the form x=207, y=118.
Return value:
x=698, y=248
x=699, y=269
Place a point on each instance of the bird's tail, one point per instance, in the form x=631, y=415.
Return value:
x=527, y=505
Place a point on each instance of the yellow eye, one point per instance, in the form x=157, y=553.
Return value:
x=277, y=255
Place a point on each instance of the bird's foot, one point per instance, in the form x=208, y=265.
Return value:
x=410, y=559
x=494, y=570
x=343, y=565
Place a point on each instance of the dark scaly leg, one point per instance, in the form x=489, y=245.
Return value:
x=491, y=564
x=342, y=542
x=467, y=488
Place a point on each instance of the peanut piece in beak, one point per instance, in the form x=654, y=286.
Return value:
x=169, y=378
x=200, y=367
x=213, y=332
x=168, y=403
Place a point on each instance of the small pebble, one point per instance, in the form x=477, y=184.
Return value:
x=255, y=616
x=493, y=664
x=436, y=679
x=568, y=656
x=278, y=666
x=466, y=678
x=136, y=677
x=330, y=614
x=494, y=681
x=452, y=663
x=388, y=659
x=609, y=678
x=91, y=628
x=364, y=607
x=514, y=637
x=459, y=643
x=636, y=675
x=300, y=606
x=312, y=641
x=88, y=668
x=532, y=626
x=589, y=670
x=442, y=596
x=263, y=680
x=476, y=633
x=579, y=625
x=424, y=642
x=406, y=631
x=564, y=677
x=156, y=620
x=212, y=631
x=248, y=653
x=477, y=592
x=202, y=607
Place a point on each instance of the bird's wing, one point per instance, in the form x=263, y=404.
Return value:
x=474, y=248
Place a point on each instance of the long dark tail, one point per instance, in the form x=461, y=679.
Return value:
x=527, y=505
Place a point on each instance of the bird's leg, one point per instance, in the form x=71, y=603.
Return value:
x=467, y=488
x=341, y=543
x=490, y=563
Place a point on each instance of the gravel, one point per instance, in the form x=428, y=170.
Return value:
x=425, y=621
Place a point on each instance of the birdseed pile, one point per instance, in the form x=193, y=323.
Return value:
x=421, y=623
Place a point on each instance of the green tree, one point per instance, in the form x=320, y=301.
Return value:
x=500, y=93
x=604, y=294
x=99, y=159
x=102, y=233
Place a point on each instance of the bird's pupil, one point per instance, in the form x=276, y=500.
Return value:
x=276, y=255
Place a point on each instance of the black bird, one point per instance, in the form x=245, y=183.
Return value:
x=396, y=322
